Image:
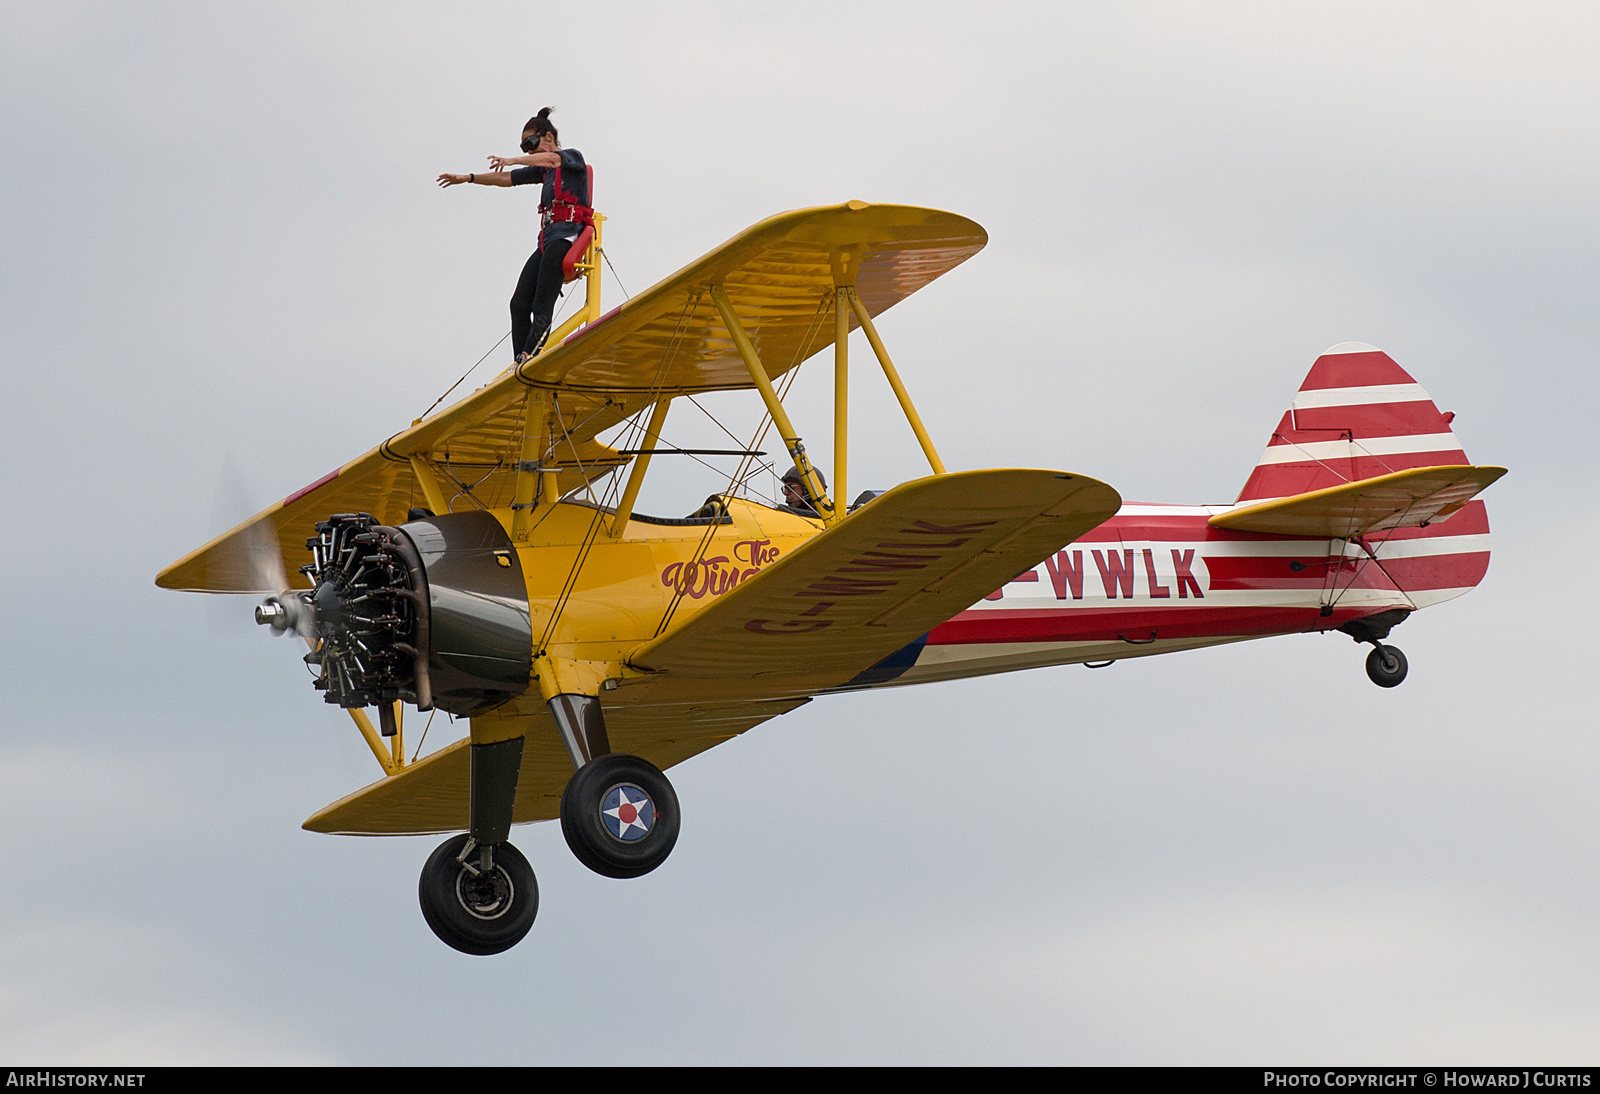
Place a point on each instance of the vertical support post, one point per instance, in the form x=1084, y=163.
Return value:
x=894, y=381
x=591, y=287
x=397, y=743
x=641, y=463
x=591, y=294
x=780, y=418
x=493, y=771
x=533, y=446
x=841, y=398
x=432, y=490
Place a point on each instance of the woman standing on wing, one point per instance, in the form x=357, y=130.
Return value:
x=564, y=209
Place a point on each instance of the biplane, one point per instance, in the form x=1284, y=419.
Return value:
x=488, y=561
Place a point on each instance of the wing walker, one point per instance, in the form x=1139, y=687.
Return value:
x=488, y=560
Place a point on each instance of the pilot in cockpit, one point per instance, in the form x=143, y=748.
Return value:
x=795, y=494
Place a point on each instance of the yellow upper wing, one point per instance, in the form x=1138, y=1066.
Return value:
x=886, y=574
x=779, y=275
x=1404, y=499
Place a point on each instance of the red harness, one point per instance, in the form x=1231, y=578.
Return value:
x=565, y=209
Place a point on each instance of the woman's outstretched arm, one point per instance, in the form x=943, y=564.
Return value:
x=535, y=159
x=481, y=178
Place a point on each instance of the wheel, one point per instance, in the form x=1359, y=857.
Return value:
x=1386, y=665
x=472, y=913
x=620, y=816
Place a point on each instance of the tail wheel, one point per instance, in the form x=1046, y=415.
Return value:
x=473, y=911
x=1386, y=666
x=620, y=816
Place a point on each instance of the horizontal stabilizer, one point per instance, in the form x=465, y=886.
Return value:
x=886, y=574
x=1404, y=499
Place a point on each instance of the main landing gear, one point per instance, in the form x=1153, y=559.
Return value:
x=620, y=816
x=1386, y=665
x=478, y=899
x=618, y=813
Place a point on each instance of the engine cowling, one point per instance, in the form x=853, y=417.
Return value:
x=432, y=612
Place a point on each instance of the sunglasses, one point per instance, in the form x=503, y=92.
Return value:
x=531, y=143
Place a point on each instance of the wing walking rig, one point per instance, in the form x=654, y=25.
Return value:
x=592, y=646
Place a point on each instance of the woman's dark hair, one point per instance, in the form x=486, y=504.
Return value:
x=539, y=124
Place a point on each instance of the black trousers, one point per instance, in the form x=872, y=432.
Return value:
x=534, y=302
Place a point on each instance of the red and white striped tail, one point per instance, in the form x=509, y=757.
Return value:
x=1357, y=415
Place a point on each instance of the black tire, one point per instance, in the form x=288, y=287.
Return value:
x=470, y=916
x=591, y=823
x=1386, y=666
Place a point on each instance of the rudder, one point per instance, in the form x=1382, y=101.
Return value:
x=1357, y=415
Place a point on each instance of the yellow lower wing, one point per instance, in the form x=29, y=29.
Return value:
x=886, y=574
x=432, y=794
x=1404, y=499
x=881, y=577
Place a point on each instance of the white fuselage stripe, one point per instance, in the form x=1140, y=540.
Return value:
x=1364, y=446
x=1298, y=547
x=1139, y=509
x=1359, y=396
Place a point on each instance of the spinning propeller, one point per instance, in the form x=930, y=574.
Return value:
x=364, y=618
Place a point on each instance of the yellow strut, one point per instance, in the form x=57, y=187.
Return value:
x=641, y=463
x=432, y=491
x=841, y=396
x=894, y=381
x=591, y=287
x=791, y=440
x=527, y=483
x=391, y=762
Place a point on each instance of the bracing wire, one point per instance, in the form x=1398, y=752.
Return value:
x=743, y=470
x=424, y=737
x=1370, y=554
x=464, y=375
x=626, y=295
x=764, y=464
x=635, y=429
x=553, y=323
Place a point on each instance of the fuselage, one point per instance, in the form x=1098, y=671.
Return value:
x=1158, y=579
x=1152, y=579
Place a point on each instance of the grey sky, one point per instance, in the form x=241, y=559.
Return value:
x=226, y=270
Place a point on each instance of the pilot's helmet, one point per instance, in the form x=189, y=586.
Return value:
x=793, y=476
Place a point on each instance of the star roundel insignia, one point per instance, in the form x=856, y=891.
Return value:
x=628, y=812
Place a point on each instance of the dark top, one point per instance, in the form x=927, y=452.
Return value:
x=574, y=180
